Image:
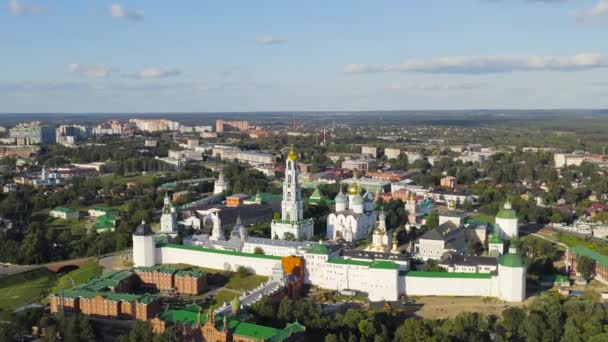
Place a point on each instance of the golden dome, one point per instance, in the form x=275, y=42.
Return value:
x=354, y=189
x=292, y=154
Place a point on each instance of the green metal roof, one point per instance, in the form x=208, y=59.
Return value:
x=600, y=259
x=157, y=268
x=252, y=330
x=105, y=225
x=190, y=273
x=425, y=274
x=387, y=265
x=511, y=260
x=64, y=210
x=107, y=217
x=219, y=251
x=238, y=327
x=506, y=214
x=182, y=317
x=319, y=249
x=117, y=297
x=495, y=238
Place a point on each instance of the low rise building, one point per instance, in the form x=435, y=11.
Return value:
x=64, y=213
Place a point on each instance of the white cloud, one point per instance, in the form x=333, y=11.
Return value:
x=269, y=40
x=119, y=12
x=487, y=65
x=156, y=72
x=597, y=12
x=92, y=71
x=17, y=8
x=435, y=86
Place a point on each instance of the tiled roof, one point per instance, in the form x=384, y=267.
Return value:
x=600, y=259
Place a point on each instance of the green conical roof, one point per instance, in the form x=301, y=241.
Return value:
x=511, y=260
x=495, y=238
x=507, y=212
x=319, y=249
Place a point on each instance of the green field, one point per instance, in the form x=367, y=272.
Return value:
x=146, y=180
x=84, y=273
x=25, y=288
x=73, y=225
x=246, y=283
x=572, y=241
x=221, y=297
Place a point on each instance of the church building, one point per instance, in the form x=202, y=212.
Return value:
x=353, y=217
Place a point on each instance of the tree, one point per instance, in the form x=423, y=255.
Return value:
x=413, y=330
x=330, y=338
x=432, y=220
x=511, y=322
x=366, y=328
x=289, y=236
x=584, y=266
x=258, y=250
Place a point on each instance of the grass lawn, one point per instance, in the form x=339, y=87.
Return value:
x=572, y=241
x=81, y=275
x=246, y=283
x=25, y=288
x=483, y=218
x=73, y=225
x=146, y=180
x=221, y=297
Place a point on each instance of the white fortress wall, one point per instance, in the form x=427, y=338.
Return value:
x=258, y=264
x=467, y=285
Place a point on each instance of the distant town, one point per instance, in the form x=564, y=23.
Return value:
x=207, y=231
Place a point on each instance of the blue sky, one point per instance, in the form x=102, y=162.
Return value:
x=189, y=56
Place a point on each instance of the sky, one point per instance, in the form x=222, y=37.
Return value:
x=62, y=56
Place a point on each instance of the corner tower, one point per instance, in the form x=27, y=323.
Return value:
x=512, y=275
x=144, y=246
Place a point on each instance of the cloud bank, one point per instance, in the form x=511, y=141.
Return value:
x=17, y=9
x=155, y=72
x=91, y=71
x=269, y=40
x=119, y=12
x=597, y=12
x=486, y=65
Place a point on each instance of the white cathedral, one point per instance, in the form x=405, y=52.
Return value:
x=292, y=219
x=354, y=215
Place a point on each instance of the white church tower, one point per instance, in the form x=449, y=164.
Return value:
x=144, y=246
x=168, y=219
x=507, y=222
x=292, y=209
x=221, y=184
x=512, y=275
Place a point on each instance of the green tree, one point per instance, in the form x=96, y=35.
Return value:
x=366, y=329
x=413, y=330
x=584, y=266
x=432, y=220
